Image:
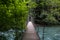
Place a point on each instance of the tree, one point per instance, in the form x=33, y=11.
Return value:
x=13, y=14
x=48, y=12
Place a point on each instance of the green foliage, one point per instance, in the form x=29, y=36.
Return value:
x=48, y=12
x=13, y=14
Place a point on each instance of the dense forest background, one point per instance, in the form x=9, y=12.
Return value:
x=14, y=13
x=47, y=12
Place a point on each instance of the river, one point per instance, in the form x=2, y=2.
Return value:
x=50, y=32
x=10, y=34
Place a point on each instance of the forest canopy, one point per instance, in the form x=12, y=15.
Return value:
x=47, y=12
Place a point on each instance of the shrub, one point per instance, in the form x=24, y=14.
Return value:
x=13, y=14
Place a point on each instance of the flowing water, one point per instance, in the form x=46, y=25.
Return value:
x=9, y=35
x=50, y=33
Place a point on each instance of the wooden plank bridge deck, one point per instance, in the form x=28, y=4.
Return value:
x=30, y=33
